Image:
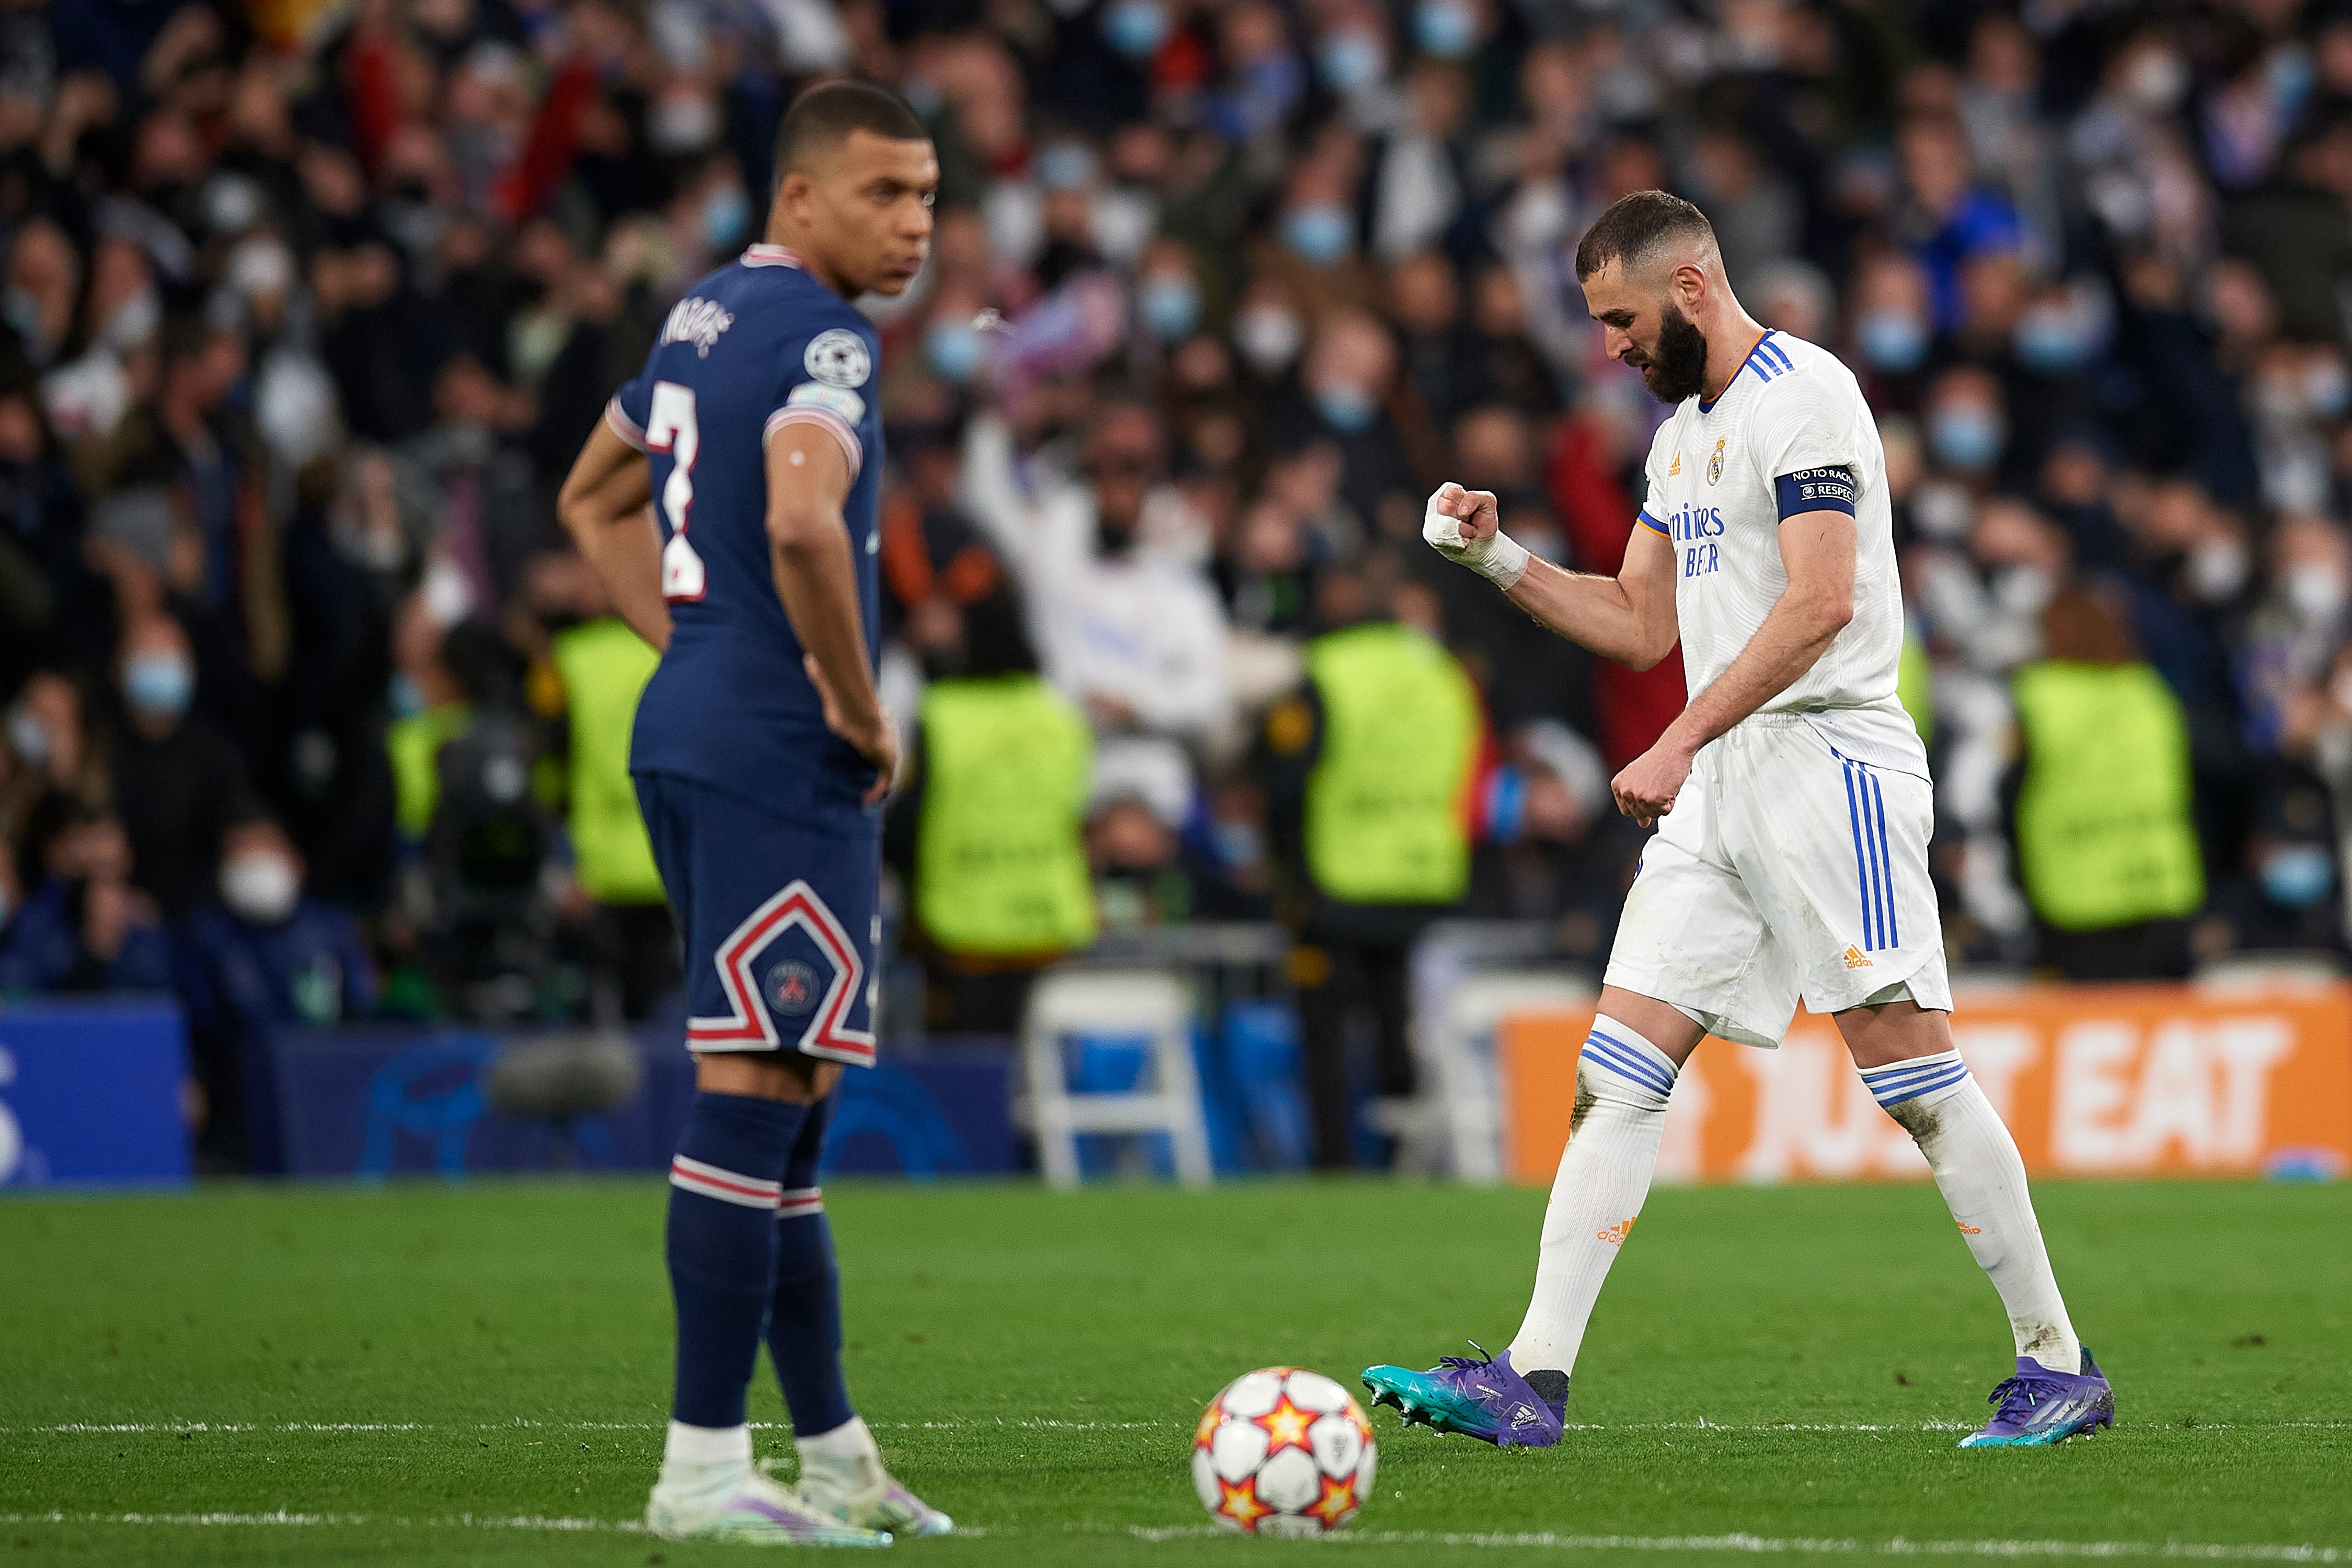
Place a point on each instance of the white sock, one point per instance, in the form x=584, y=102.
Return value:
x=1621, y=1084
x=845, y=1458
x=702, y=1456
x=1983, y=1182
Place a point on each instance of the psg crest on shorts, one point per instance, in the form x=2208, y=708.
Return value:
x=793, y=988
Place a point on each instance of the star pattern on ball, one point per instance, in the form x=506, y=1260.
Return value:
x=1338, y=1501
x=1286, y=1427
x=1211, y=1419
x=1238, y=1501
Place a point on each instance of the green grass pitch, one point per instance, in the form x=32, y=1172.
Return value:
x=477, y=1374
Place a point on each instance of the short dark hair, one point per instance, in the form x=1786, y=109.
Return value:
x=822, y=118
x=1636, y=227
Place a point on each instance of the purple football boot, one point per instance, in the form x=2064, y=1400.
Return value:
x=1482, y=1397
x=2038, y=1408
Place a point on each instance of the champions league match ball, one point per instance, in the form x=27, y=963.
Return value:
x=1283, y=1452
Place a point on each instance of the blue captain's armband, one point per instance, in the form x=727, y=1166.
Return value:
x=1815, y=489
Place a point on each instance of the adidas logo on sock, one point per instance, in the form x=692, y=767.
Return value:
x=1854, y=959
x=1616, y=1233
x=1968, y=1229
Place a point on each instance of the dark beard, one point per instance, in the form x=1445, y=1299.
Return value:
x=1678, y=369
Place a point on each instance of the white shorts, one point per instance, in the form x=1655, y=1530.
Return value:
x=1784, y=870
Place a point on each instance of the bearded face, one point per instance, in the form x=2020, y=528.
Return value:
x=1676, y=368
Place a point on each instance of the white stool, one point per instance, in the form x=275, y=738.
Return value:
x=1145, y=1002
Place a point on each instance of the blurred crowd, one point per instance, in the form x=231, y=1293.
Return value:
x=314, y=715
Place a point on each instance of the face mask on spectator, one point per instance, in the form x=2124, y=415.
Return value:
x=1170, y=304
x=29, y=737
x=1268, y=337
x=133, y=322
x=1351, y=60
x=1942, y=511
x=2024, y=589
x=2297, y=875
x=1135, y=28
x=2051, y=342
x=259, y=886
x=954, y=349
x=2326, y=390
x=1344, y=406
x=2157, y=80
x=726, y=218
x=1065, y=166
x=1318, y=233
x=2217, y=570
x=2316, y=594
x=1444, y=28
x=1892, y=341
x=161, y=684
x=23, y=312
x=682, y=122
x=1965, y=437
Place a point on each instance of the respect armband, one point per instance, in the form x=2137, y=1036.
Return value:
x=1815, y=489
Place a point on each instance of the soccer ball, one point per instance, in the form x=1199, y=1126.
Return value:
x=1283, y=1452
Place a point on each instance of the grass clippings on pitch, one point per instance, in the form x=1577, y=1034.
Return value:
x=434, y=1375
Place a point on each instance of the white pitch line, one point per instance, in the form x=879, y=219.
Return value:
x=1798, y=1545
x=1550, y=1539
x=345, y=1520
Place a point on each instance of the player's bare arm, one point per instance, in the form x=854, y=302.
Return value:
x=1629, y=617
x=1818, y=549
x=808, y=541
x=604, y=506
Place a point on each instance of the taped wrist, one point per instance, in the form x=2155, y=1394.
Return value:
x=1501, y=559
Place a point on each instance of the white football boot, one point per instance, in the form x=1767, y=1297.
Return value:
x=741, y=1503
x=842, y=1477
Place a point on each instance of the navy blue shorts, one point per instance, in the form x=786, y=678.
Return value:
x=780, y=921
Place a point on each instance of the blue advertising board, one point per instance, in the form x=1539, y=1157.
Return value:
x=90, y=1094
x=374, y=1101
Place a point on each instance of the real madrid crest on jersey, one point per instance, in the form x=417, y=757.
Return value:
x=838, y=358
x=1715, y=464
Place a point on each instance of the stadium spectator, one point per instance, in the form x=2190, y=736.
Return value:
x=592, y=668
x=263, y=955
x=2106, y=842
x=178, y=779
x=988, y=826
x=1368, y=767
x=85, y=926
x=1125, y=625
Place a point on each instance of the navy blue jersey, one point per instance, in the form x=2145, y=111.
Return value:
x=754, y=346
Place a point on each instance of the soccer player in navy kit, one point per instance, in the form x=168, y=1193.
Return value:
x=761, y=754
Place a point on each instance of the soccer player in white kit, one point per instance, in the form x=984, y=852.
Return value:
x=1793, y=806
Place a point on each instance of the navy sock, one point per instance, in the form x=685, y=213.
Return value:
x=721, y=1246
x=804, y=1315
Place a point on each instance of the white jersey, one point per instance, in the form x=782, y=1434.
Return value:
x=1791, y=434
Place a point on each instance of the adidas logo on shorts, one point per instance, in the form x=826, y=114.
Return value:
x=1855, y=959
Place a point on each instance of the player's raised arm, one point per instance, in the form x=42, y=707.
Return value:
x=603, y=506
x=808, y=479
x=1629, y=617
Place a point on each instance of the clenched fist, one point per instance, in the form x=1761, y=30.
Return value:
x=1465, y=526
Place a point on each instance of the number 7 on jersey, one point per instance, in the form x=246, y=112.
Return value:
x=670, y=428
